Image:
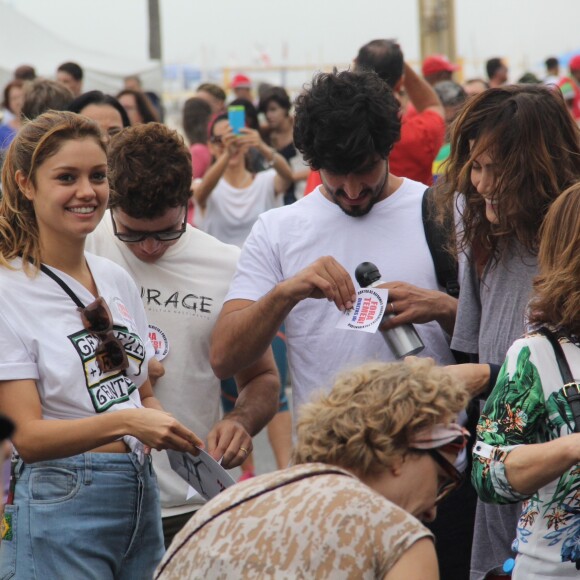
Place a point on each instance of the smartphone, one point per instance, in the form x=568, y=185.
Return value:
x=237, y=118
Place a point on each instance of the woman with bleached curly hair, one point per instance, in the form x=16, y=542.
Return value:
x=373, y=456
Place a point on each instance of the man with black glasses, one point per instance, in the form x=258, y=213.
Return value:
x=184, y=275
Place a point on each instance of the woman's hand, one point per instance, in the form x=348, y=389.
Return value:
x=230, y=141
x=160, y=430
x=251, y=138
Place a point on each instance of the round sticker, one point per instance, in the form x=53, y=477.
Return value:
x=159, y=341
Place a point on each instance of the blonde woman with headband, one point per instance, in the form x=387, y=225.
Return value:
x=84, y=501
x=373, y=457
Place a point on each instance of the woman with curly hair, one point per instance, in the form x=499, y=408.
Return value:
x=372, y=455
x=513, y=150
x=529, y=433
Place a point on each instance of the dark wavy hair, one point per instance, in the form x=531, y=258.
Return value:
x=149, y=171
x=534, y=143
x=144, y=105
x=99, y=98
x=556, y=299
x=344, y=119
x=277, y=95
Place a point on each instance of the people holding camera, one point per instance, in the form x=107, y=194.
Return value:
x=230, y=197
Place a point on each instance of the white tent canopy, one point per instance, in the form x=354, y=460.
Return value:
x=22, y=41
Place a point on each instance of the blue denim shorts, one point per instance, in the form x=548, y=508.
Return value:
x=94, y=515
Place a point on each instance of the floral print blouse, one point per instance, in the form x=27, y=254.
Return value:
x=528, y=406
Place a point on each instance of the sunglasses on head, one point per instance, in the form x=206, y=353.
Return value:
x=110, y=353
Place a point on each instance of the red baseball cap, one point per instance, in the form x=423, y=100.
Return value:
x=437, y=63
x=241, y=82
x=575, y=62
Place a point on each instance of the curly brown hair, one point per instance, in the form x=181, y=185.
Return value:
x=534, y=142
x=38, y=140
x=371, y=414
x=149, y=171
x=556, y=298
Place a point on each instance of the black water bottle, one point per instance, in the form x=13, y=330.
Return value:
x=402, y=340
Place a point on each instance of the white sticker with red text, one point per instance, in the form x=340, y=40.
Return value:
x=368, y=311
x=159, y=341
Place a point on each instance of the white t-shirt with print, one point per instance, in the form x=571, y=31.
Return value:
x=231, y=212
x=286, y=240
x=183, y=294
x=42, y=338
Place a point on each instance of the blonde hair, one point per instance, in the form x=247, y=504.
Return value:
x=556, y=299
x=372, y=412
x=33, y=145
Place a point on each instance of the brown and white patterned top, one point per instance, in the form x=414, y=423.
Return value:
x=308, y=521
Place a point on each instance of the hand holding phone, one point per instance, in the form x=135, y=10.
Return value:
x=237, y=118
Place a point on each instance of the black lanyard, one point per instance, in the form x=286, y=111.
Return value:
x=62, y=284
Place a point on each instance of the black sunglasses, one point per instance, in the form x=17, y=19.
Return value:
x=455, y=476
x=134, y=237
x=97, y=319
x=216, y=139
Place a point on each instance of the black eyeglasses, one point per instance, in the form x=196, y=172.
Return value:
x=216, y=139
x=110, y=353
x=165, y=236
x=455, y=476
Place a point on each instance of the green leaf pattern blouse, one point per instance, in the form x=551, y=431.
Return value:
x=527, y=406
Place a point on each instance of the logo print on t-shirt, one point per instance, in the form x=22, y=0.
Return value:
x=107, y=389
x=159, y=341
x=178, y=302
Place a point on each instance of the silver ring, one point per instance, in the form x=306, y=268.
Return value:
x=392, y=307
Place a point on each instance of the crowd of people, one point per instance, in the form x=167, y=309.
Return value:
x=187, y=281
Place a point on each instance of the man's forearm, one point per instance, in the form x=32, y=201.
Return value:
x=420, y=92
x=448, y=313
x=257, y=402
x=244, y=332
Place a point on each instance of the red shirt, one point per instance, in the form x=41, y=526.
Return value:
x=570, y=90
x=422, y=136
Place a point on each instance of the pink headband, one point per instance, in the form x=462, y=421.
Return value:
x=453, y=437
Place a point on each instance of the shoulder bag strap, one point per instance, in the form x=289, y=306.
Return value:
x=438, y=237
x=571, y=389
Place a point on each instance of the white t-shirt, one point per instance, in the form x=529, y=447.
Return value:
x=286, y=240
x=42, y=338
x=230, y=212
x=183, y=294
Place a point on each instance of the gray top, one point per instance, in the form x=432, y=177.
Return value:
x=491, y=315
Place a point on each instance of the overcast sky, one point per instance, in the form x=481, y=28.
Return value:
x=315, y=32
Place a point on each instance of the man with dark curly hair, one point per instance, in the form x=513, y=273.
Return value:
x=422, y=119
x=346, y=125
x=184, y=275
